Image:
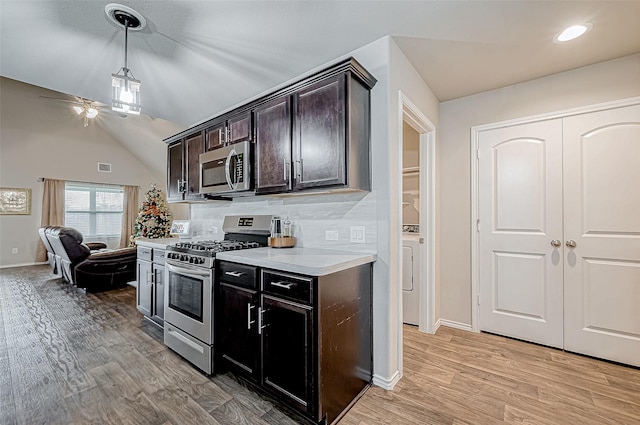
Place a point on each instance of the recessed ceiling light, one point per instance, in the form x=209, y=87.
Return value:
x=572, y=32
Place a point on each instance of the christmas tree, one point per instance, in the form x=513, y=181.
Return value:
x=154, y=217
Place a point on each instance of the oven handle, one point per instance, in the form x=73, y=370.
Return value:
x=195, y=273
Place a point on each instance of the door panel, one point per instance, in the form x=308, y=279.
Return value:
x=602, y=201
x=525, y=296
x=520, y=211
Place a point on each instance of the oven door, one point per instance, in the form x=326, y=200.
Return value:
x=188, y=300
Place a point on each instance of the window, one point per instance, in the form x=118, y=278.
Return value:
x=94, y=209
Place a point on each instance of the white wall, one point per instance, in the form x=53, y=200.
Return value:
x=43, y=138
x=607, y=81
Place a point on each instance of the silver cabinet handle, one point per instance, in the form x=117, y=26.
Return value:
x=261, y=320
x=234, y=274
x=283, y=284
x=571, y=243
x=556, y=243
x=249, y=321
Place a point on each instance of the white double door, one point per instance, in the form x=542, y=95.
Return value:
x=559, y=233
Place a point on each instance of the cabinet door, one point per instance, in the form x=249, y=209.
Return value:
x=238, y=334
x=175, y=172
x=158, y=292
x=144, y=293
x=287, y=351
x=194, y=146
x=320, y=134
x=239, y=127
x=273, y=146
x=216, y=136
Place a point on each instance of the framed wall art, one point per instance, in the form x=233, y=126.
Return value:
x=15, y=201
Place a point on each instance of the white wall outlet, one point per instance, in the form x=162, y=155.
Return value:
x=331, y=235
x=14, y=251
x=213, y=229
x=357, y=234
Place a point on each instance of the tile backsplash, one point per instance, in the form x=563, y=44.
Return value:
x=312, y=216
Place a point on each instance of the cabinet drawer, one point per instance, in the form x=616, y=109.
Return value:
x=158, y=256
x=238, y=274
x=145, y=253
x=294, y=287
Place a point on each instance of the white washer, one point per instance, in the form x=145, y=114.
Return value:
x=410, y=279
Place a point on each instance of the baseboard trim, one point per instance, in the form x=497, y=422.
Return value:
x=454, y=324
x=9, y=266
x=385, y=383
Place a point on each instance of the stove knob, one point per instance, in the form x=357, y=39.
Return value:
x=183, y=258
x=202, y=261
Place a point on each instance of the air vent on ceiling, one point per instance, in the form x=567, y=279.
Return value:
x=105, y=168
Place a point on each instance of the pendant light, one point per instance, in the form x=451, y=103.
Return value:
x=125, y=89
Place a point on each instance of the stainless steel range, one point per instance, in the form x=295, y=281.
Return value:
x=189, y=288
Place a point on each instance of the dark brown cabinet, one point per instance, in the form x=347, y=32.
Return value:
x=315, y=138
x=320, y=134
x=236, y=128
x=273, y=146
x=175, y=171
x=183, y=176
x=288, y=372
x=238, y=339
x=311, y=135
x=305, y=340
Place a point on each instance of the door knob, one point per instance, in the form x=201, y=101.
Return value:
x=556, y=243
x=571, y=243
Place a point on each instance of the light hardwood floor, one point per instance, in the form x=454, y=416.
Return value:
x=67, y=357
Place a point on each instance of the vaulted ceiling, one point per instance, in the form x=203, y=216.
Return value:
x=198, y=58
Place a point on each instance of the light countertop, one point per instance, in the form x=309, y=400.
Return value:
x=160, y=243
x=308, y=261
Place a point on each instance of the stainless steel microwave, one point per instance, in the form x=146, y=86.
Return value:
x=226, y=169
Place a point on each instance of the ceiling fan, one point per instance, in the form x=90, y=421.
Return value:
x=88, y=108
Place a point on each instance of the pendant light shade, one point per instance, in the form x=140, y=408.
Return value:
x=125, y=94
x=125, y=89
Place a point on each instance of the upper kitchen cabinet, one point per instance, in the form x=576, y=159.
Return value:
x=320, y=134
x=183, y=171
x=312, y=135
x=236, y=128
x=328, y=146
x=273, y=145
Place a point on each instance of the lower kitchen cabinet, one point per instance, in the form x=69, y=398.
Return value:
x=305, y=340
x=150, y=288
x=287, y=372
x=237, y=329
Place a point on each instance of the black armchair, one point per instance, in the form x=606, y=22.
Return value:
x=91, y=265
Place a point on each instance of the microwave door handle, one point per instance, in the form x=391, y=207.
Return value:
x=227, y=171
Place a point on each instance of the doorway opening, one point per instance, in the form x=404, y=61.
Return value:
x=417, y=203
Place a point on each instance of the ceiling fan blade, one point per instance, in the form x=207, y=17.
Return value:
x=57, y=99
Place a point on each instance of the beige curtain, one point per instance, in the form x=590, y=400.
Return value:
x=52, y=210
x=129, y=214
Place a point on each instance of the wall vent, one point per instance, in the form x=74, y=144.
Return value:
x=105, y=168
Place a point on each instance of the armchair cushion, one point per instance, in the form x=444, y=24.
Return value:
x=95, y=246
x=104, y=270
